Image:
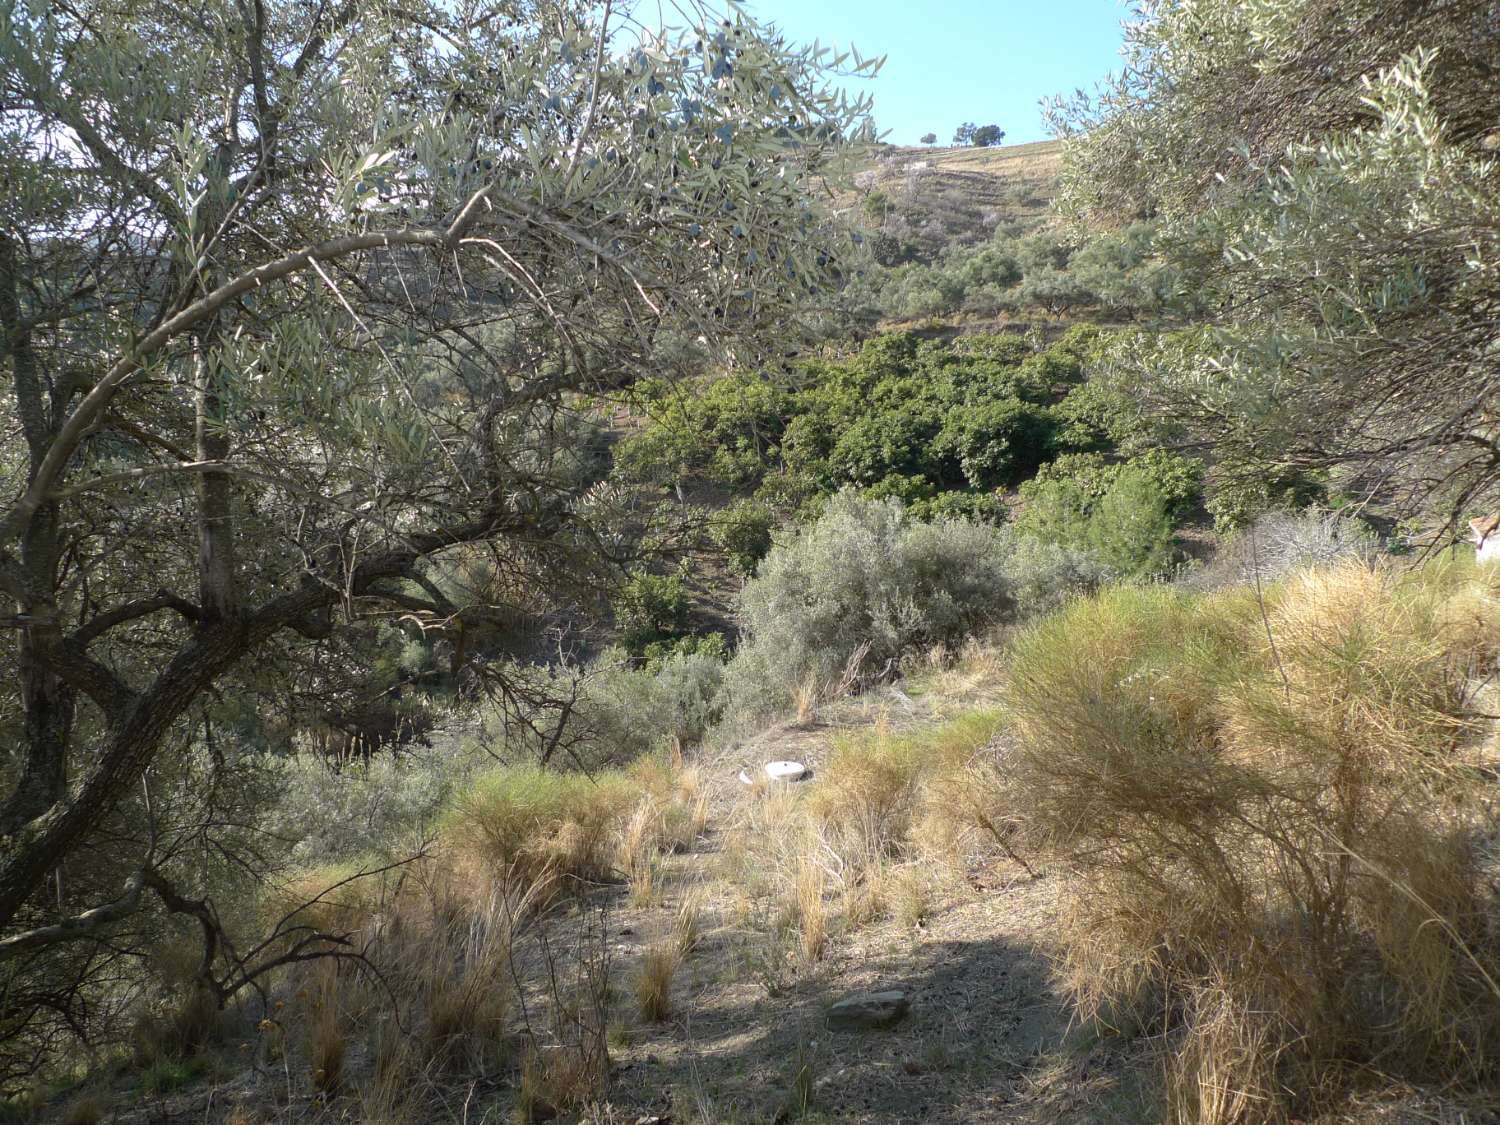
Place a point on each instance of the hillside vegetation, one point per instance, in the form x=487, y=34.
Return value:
x=967, y=236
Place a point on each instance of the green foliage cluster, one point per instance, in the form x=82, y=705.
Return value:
x=650, y=609
x=672, y=699
x=1114, y=274
x=743, y=532
x=980, y=136
x=1123, y=512
x=938, y=425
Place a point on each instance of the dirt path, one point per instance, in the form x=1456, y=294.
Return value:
x=987, y=1039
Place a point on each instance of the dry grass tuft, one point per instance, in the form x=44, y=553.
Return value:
x=390, y=1095
x=326, y=1042
x=567, y=1067
x=687, y=929
x=1278, y=843
x=882, y=795
x=468, y=990
x=653, y=981
x=807, y=694
x=669, y=817
x=910, y=893
x=533, y=827
x=864, y=896
x=333, y=898
x=812, y=919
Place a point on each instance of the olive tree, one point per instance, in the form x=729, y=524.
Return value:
x=298, y=300
x=1325, y=183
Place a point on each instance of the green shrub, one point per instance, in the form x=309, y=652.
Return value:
x=905, y=417
x=1123, y=514
x=659, y=653
x=650, y=608
x=1179, y=479
x=1130, y=528
x=997, y=442
x=743, y=532
x=167, y=1076
x=976, y=507
x=382, y=806
x=721, y=428
x=601, y=716
x=1237, y=496
x=1057, y=510
x=628, y=712
x=1043, y=576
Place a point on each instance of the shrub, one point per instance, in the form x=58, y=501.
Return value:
x=1276, y=847
x=863, y=584
x=332, y=898
x=999, y=442
x=619, y=710
x=1130, y=528
x=921, y=420
x=1121, y=514
x=629, y=712
x=1056, y=510
x=877, y=787
x=380, y=806
x=1237, y=496
x=743, y=532
x=87, y=1110
x=650, y=608
x=1279, y=543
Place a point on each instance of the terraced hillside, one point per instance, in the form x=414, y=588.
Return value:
x=922, y=200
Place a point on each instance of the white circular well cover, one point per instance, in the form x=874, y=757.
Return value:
x=786, y=771
x=778, y=771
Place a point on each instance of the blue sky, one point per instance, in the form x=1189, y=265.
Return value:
x=949, y=61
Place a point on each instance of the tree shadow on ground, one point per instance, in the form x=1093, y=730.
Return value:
x=988, y=1039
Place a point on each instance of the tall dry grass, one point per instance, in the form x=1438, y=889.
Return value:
x=1276, y=828
x=884, y=795
x=533, y=826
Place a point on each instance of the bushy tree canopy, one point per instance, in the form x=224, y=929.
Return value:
x=299, y=303
x=1326, y=180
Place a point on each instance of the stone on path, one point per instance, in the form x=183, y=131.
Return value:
x=868, y=1010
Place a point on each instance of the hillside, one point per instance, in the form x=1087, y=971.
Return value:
x=962, y=241
x=934, y=197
